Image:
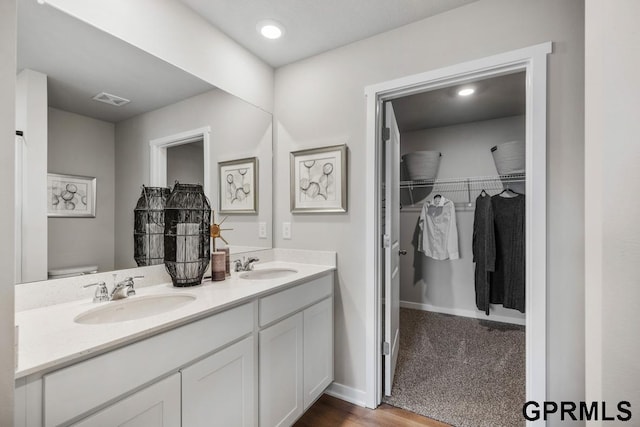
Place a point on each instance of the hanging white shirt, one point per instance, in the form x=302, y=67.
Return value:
x=439, y=233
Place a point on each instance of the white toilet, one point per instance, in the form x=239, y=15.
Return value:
x=59, y=273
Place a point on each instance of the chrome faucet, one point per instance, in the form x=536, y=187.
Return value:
x=122, y=289
x=245, y=264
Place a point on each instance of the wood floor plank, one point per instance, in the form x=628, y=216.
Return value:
x=333, y=412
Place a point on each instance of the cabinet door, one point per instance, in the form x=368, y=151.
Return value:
x=318, y=350
x=155, y=406
x=219, y=390
x=281, y=372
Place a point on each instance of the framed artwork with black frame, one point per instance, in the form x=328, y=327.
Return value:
x=319, y=180
x=238, y=186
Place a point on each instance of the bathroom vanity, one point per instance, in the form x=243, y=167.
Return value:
x=242, y=352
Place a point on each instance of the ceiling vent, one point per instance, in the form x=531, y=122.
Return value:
x=107, y=98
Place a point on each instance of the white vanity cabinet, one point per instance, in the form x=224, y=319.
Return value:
x=296, y=352
x=317, y=350
x=219, y=390
x=281, y=372
x=260, y=363
x=157, y=405
x=81, y=390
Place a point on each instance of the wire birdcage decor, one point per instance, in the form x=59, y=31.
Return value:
x=186, y=234
x=148, y=229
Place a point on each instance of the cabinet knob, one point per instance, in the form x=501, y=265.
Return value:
x=402, y=252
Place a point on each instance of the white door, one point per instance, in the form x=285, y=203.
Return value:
x=155, y=406
x=19, y=170
x=219, y=390
x=280, y=372
x=318, y=350
x=392, y=247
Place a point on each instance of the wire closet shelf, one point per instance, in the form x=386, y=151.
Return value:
x=462, y=191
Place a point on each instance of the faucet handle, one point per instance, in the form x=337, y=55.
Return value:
x=130, y=283
x=102, y=293
x=237, y=265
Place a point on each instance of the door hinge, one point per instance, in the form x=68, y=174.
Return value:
x=386, y=134
x=386, y=241
x=386, y=349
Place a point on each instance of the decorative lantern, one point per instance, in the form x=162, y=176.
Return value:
x=187, y=217
x=148, y=229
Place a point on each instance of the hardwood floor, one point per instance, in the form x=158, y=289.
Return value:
x=332, y=412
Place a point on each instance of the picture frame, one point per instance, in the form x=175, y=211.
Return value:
x=318, y=179
x=238, y=186
x=71, y=196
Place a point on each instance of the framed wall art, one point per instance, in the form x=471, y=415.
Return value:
x=319, y=180
x=71, y=196
x=238, y=186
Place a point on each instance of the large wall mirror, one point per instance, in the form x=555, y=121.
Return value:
x=63, y=64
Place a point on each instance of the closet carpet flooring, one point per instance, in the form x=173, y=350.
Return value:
x=461, y=371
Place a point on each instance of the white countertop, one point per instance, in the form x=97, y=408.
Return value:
x=49, y=337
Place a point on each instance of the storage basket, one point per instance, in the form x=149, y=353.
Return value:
x=421, y=165
x=509, y=157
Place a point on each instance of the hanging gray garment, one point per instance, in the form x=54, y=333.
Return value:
x=484, y=250
x=508, y=280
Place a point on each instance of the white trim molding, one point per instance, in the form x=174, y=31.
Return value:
x=533, y=61
x=461, y=312
x=158, y=156
x=348, y=394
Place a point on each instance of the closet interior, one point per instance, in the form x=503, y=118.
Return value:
x=462, y=288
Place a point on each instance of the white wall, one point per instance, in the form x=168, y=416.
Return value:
x=612, y=180
x=320, y=101
x=448, y=286
x=31, y=118
x=80, y=145
x=238, y=130
x=185, y=163
x=171, y=31
x=7, y=144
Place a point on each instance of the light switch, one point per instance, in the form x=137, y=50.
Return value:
x=286, y=230
x=262, y=230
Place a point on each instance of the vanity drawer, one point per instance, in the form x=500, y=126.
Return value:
x=293, y=299
x=78, y=389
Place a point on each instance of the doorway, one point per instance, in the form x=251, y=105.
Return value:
x=170, y=157
x=531, y=61
x=460, y=345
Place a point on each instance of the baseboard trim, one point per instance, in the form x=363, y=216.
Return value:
x=461, y=312
x=348, y=394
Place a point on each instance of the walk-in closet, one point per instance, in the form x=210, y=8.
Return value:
x=461, y=357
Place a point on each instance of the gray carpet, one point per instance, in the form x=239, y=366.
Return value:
x=461, y=371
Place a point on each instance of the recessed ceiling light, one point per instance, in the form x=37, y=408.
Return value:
x=466, y=91
x=270, y=29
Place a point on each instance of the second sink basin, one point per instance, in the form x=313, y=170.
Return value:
x=132, y=308
x=267, y=273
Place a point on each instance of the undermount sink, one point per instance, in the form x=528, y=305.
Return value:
x=132, y=308
x=268, y=273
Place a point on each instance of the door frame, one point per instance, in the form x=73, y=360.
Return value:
x=158, y=156
x=533, y=61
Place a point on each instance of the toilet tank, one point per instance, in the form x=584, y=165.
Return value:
x=59, y=273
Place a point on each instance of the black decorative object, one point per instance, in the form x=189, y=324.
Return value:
x=187, y=218
x=148, y=229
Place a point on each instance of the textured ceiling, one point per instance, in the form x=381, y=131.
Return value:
x=495, y=98
x=312, y=26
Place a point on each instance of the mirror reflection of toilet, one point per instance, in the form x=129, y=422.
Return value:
x=59, y=273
